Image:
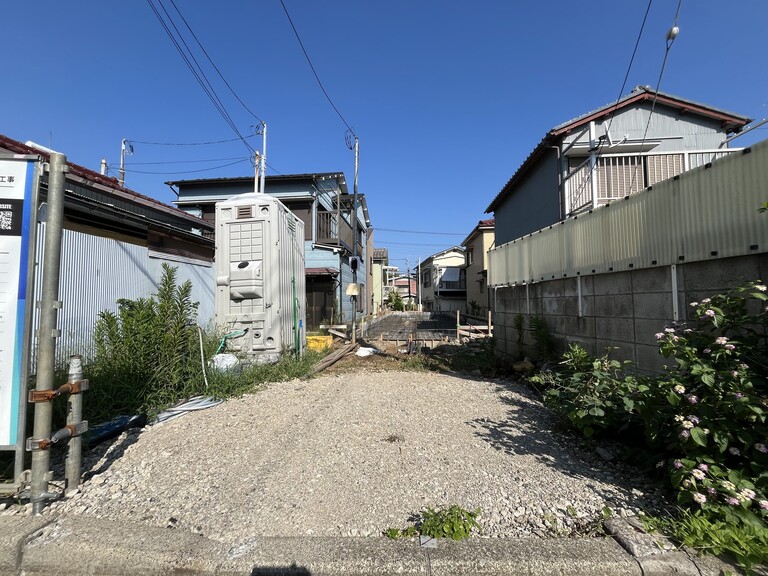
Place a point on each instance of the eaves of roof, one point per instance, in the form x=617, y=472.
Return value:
x=731, y=122
x=483, y=225
x=100, y=181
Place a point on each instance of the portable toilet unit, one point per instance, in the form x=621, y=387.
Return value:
x=260, y=285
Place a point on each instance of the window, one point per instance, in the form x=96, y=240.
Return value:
x=470, y=255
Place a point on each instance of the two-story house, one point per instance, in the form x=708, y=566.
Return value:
x=476, y=246
x=324, y=204
x=444, y=281
x=607, y=154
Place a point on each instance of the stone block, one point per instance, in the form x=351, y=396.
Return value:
x=617, y=329
x=719, y=275
x=657, y=279
x=653, y=305
x=646, y=330
x=552, y=289
x=649, y=360
x=614, y=283
x=613, y=306
x=553, y=306
x=575, y=327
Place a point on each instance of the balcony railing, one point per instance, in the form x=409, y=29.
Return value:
x=460, y=284
x=335, y=231
x=615, y=176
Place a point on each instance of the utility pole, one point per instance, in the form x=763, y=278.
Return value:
x=418, y=287
x=354, y=241
x=263, y=155
x=121, y=177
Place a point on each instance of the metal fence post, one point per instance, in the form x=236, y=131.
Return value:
x=72, y=467
x=47, y=334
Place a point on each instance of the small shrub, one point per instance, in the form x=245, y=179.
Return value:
x=453, y=522
x=544, y=341
x=593, y=394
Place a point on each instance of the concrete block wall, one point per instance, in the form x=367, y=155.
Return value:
x=622, y=310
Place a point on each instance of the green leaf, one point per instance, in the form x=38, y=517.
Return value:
x=698, y=436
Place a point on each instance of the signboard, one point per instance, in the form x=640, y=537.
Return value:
x=16, y=178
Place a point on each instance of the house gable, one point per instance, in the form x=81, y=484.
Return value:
x=675, y=114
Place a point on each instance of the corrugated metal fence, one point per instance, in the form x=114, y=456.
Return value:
x=96, y=272
x=709, y=212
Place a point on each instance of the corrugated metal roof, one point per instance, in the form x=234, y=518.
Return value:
x=731, y=121
x=101, y=181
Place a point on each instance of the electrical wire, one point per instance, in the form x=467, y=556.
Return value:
x=587, y=178
x=309, y=61
x=669, y=41
x=190, y=143
x=214, y=65
x=196, y=70
x=185, y=161
x=421, y=232
x=191, y=171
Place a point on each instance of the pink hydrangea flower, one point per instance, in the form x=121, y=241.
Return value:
x=721, y=340
x=733, y=450
x=698, y=474
x=699, y=498
x=659, y=335
x=677, y=464
x=693, y=399
x=761, y=448
x=709, y=312
x=747, y=493
x=763, y=504
x=732, y=500
x=703, y=467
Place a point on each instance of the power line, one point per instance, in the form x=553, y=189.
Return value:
x=411, y=244
x=589, y=176
x=196, y=69
x=214, y=65
x=185, y=161
x=309, y=61
x=191, y=171
x=190, y=143
x=670, y=39
x=420, y=232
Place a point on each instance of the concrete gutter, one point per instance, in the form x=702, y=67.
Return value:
x=76, y=546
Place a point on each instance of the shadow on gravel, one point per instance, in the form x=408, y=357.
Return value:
x=99, y=458
x=531, y=429
x=292, y=570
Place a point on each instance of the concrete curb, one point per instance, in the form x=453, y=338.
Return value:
x=82, y=545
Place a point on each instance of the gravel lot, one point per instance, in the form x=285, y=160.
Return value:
x=353, y=454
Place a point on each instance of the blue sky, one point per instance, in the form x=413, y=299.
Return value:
x=447, y=97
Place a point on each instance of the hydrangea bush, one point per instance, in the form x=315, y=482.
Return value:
x=705, y=419
x=711, y=413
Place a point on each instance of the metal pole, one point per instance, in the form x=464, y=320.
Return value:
x=121, y=176
x=354, y=242
x=418, y=288
x=72, y=466
x=408, y=280
x=47, y=334
x=257, y=164
x=263, y=157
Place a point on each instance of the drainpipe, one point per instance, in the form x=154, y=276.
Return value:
x=593, y=163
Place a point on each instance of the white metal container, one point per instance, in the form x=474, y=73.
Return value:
x=260, y=286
